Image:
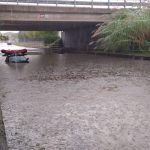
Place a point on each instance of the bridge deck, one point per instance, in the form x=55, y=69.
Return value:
x=13, y=17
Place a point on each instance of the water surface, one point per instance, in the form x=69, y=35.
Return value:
x=76, y=102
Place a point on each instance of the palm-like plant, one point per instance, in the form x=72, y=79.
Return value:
x=129, y=29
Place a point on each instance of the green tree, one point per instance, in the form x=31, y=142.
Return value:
x=47, y=36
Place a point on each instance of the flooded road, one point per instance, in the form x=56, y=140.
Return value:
x=76, y=102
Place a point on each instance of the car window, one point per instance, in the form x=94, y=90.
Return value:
x=17, y=58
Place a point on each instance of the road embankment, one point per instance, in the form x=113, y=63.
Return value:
x=3, y=142
x=122, y=55
x=31, y=44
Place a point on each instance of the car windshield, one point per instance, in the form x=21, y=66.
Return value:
x=17, y=58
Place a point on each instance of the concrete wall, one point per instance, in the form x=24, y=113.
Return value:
x=77, y=39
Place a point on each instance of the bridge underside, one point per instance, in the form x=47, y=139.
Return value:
x=75, y=35
x=43, y=26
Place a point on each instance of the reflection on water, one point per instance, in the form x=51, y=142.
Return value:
x=63, y=66
x=43, y=67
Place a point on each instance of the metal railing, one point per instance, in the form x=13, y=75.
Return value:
x=81, y=3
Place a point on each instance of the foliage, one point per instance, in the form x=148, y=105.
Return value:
x=3, y=38
x=49, y=37
x=46, y=36
x=128, y=30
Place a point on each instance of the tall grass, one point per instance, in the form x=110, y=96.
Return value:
x=128, y=30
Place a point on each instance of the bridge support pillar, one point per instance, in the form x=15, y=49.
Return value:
x=77, y=40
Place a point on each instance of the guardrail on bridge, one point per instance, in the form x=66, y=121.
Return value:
x=81, y=3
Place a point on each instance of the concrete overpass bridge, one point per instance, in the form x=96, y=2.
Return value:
x=77, y=19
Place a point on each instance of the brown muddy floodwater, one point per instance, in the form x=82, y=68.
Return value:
x=76, y=102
